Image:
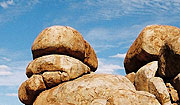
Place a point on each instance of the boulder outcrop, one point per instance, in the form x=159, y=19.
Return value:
x=63, y=66
x=96, y=88
x=146, y=47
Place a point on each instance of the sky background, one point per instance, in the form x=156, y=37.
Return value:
x=110, y=26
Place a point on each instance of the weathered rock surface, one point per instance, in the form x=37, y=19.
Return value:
x=92, y=89
x=172, y=92
x=71, y=67
x=90, y=57
x=131, y=77
x=59, y=40
x=64, y=40
x=158, y=88
x=147, y=46
x=52, y=78
x=144, y=74
x=170, y=58
x=30, y=89
x=176, y=83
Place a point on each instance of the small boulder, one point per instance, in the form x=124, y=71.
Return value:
x=30, y=89
x=131, y=77
x=158, y=88
x=176, y=83
x=172, y=92
x=144, y=74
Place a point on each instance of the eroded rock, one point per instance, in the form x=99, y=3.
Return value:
x=59, y=40
x=101, y=89
x=131, y=77
x=71, y=66
x=172, y=92
x=158, y=88
x=144, y=74
x=30, y=89
x=170, y=58
x=147, y=46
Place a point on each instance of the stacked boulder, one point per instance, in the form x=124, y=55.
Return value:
x=60, y=54
x=152, y=63
x=62, y=74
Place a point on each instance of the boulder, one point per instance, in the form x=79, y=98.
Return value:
x=170, y=58
x=158, y=88
x=59, y=40
x=147, y=46
x=71, y=67
x=131, y=77
x=90, y=57
x=172, y=92
x=96, y=89
x=144, y=74
x=64, y=40
x=30, y=89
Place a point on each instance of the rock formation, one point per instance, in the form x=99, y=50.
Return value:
x=63, y=66
x=154, y=58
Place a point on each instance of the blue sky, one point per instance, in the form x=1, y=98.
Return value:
x=110, y=26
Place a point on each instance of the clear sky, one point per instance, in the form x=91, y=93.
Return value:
x=110, y=26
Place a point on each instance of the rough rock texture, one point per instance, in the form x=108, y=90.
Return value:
x=71, y=66
x=131, y=77
x=64, y=40
x=100, y=89
x=147, y=46
x=144, y=74
x=30, y=89
x=172, y=92
x=158, y=88
x=59, y=40
x=52, y=78
x=90, y=57
x=176, y=83
x=170, y=58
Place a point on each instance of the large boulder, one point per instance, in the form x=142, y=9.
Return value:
x=71, y=66
x=144, y=74
x=158, y=88
x=64, y=40
x=30, y=89
x=170, y=58
x=59, y=40
x=147, y=46
x=96, y=89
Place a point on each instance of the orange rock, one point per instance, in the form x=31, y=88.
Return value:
x=147, y=46
x=59, y=40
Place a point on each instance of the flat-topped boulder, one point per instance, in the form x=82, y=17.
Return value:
x=146, y=47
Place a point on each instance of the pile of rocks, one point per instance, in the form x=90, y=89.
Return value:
x=152, y=63
x=62, y=72
x=60, y=54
